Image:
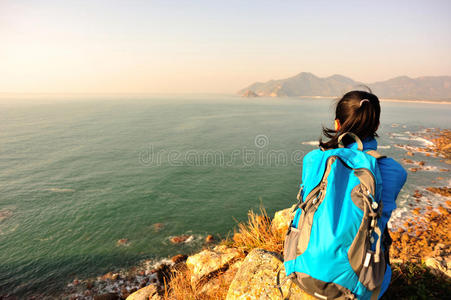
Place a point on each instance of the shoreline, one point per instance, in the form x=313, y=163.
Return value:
x=416, y=101
x=123, y=282
x=427, y=101
x=431, y=101
x=414, y=231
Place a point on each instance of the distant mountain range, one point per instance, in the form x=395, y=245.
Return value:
x=307, y=84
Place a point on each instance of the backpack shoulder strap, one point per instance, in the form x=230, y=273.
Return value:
x=375, y=154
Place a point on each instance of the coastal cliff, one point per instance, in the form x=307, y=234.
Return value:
x=247, y=265
x=239, y=271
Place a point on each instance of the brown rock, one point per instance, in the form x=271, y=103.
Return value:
x=148, y=292
x=115, y=276
x=107, y=276
x=212, y=287
x=209, y=239
x=158, y=226
x=181, y=239
x=431, y=238
x=282, y=219
x=249, y=94
x=203, y=264
x=122, y=242
x=110, y=276
x=257, y=277
x=409, y=153
x=444, y=191
x=179, y=258
x=124, y=293
x=107, y=296
x=405, y=237
x=438, y=265
x=442, y=210
x=163, y=272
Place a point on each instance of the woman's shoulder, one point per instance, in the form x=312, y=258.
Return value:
x=393, y=169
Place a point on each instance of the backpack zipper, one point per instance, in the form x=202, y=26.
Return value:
x=319, y=191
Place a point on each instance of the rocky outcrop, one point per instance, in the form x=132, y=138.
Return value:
x=443, y=191
x=181, y=239
x=107, y=296
x=249, y=94
x=213, y=286
x=223, y=271
x=424, y=236
x=257, y=278
x=441, y=140
x=439, y=264
x=148, y=292
x=282, y=219
x=202, y=265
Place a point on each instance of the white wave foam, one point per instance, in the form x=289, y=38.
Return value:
x=415, y=149
x=384, y=147
x=187, y=238
x=408, y=136
x=398, y=216
x=58, y=190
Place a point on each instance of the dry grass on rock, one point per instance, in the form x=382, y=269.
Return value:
x=411, y=279
x=181, y=288
x=258, y=233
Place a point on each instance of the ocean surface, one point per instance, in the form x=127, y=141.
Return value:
x=77, y=175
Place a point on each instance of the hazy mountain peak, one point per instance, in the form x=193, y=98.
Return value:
x=308, y=84
x=305, y=74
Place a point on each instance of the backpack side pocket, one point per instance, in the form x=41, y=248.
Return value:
x=290, y=244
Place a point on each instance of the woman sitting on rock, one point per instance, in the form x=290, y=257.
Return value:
x=359, y=112
x=337, y=244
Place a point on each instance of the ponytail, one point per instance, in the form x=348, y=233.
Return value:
x=358, y=112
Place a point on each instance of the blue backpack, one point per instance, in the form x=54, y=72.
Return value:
x=332, y=249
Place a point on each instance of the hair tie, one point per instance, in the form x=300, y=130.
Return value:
x=363, y=100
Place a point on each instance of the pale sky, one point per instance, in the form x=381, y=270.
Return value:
x=210, y=46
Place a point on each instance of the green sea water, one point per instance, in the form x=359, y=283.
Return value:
x=77, y=175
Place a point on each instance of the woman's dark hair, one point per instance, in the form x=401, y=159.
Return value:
x=358, y=112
